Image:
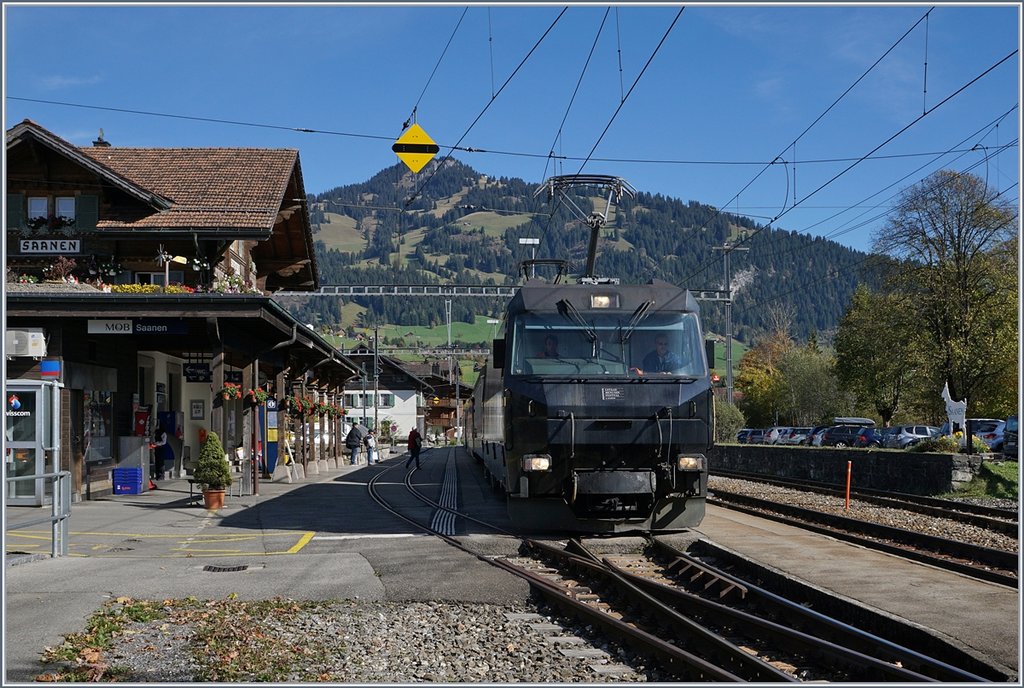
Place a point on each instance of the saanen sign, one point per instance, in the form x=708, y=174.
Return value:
x=50, y=246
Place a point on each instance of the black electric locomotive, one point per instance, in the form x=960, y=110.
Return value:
x=595, y=410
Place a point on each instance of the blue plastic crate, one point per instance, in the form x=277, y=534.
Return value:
x=128, y=474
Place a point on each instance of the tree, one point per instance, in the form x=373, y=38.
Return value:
x=761, y=381
x=728, y=421
x=876, y=351
x=809, y=389
x=955, y=242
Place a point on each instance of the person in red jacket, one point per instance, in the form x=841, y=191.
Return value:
x=415, y=444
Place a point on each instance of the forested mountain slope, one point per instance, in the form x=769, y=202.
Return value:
x=463, y=227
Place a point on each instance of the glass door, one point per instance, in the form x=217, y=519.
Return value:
x=31, y=415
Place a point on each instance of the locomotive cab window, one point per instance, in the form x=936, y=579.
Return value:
x=603, y=343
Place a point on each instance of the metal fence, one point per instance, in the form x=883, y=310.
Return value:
x=60, y=510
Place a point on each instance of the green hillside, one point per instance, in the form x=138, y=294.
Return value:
x=464, y=228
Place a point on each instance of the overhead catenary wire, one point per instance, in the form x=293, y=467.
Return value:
x=893, y=209
x=808, y=128
x=903, y=130
x=465, y=149
x=618, y=110
x=835, y=273
x=419, y=189
x=842, y=269
x=576, y=91
x=443, y=53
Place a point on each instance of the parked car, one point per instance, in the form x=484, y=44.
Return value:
x=794, y=436
x=741, y=436
x=903, y=436
x=992, y=435
x=1010, y=437
x=973, y=423
x=814, y=437
x=842, y=435
x=889, y=436
x=868, y=437
x=755, y=436
x=772, y=434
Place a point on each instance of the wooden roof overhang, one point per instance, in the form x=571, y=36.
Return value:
x=247, y=327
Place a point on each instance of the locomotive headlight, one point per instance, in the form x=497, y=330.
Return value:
x=690, y=463
x=604, y=300
x=537, y=462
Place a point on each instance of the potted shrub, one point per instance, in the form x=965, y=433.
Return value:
x=212, y=471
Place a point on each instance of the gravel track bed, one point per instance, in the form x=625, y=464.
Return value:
x=897, y=518
x=374, y=642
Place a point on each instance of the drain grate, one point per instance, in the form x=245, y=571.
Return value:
x=225, y=569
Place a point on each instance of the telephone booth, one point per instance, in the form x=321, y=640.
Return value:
x=32, y=439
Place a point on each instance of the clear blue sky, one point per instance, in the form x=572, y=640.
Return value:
x=730, y=84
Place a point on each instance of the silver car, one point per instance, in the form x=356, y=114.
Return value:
x=794, y=436
x=904, y=436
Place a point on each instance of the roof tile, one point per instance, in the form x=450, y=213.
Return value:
x=211, y=188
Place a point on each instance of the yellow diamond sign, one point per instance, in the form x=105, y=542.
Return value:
x=415, y=148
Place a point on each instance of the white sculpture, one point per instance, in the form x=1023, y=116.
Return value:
x=956, y=410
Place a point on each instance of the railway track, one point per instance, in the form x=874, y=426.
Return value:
x=658, y=603
x=993, y=518
x=984, y=563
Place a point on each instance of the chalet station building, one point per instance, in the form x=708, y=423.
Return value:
x=138, y=293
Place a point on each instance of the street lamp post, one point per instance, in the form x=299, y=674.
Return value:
x=532, y=242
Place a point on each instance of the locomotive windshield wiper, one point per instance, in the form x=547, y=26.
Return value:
x=569, y=312
x=641, y=312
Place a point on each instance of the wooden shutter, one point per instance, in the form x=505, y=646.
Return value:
x=87, y=213
x=15, y=211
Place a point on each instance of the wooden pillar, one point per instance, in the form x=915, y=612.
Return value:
x=218, y=416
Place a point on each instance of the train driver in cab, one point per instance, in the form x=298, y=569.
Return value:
x=550, y=347
x=661, y=359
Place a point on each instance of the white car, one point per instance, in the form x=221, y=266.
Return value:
x=772, y=434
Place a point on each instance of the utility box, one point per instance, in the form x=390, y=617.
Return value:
x=25, y=342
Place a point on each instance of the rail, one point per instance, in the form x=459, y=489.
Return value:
x=60, y=510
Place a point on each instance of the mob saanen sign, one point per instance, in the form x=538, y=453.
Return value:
x=138, y=326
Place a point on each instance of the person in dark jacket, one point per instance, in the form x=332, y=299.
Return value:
x=661, y=360
x=164, y=453
x=415, y=444
x=354, y=440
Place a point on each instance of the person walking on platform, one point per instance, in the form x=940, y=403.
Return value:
x=371, y=448
x=354, y=440
x=415, y=444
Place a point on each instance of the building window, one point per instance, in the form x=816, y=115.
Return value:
x=177, y=277
x=38, y=206
x=65, y=207
x=387, y=400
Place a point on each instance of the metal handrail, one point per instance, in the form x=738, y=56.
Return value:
x=60, y=510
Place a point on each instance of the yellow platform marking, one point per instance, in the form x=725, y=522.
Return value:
x=187, y=545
